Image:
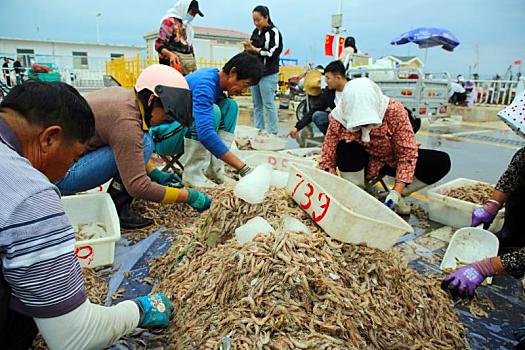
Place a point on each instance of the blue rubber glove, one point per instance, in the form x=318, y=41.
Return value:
x=198, y=200
x=166, y=179
x=155, y=311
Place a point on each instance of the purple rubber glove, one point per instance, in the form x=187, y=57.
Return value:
x=485, y=214
x=466, y=280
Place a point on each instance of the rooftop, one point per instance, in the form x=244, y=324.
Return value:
x=71, y=42
x=210, y=32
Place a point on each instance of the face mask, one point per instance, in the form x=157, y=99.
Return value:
x=188, y=18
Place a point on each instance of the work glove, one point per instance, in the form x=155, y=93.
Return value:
x=464, y=281
x=519, y=334
x=485, y=214
x=155, y=311
x=166, y=179
x=245, y=170
x=392, y=199
x=198, y=200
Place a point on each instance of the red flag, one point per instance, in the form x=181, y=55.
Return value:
x=517, y=62
x=329, y=45
x=340, y=46
x=287, y=52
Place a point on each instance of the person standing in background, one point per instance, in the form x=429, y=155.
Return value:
x=267, y=42
x=5, y=71
x=349, y=50
x=19, y=71
x=175, y=40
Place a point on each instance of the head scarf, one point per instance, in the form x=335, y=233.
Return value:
x=362, y=107
x=514, y=115
x=179, y=10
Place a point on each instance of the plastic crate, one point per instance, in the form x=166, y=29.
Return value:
x=309, y=152
x=268, y=143
x=454, y=212
x=343, y=210
x=244, y=133
x=90, y=209
x=279, y=161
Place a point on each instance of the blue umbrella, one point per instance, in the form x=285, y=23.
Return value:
x=428, y=37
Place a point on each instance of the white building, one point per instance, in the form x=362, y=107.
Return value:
x=66, y=55
x=210, y=44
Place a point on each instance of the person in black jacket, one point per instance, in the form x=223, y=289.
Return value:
x=336, y=81
x=267, y=42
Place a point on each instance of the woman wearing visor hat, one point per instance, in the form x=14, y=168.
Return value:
x=122, y=145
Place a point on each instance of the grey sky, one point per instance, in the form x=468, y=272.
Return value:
x=496, y=27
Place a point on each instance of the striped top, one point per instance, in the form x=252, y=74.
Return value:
x=36, y=239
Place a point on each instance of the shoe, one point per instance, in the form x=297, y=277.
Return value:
x=122, y=200
x=357, y=178
x=402, y=207
x=196, y=160
x=415, y=186
x=215, y=170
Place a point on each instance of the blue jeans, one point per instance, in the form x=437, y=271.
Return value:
x=320, y=120
x=263, y=95
x=96, y=168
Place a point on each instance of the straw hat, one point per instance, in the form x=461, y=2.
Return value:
x=312, y=83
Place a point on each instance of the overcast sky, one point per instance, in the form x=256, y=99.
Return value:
x=494, y=29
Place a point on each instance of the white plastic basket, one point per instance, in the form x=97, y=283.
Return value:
x=268, y=143
x=91, y=209
x=343, y=210
x=309, y=152
x=244, y=133
x=279, y=161
x=455, y=212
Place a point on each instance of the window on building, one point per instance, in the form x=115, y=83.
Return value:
x=116, y=55
x=80, y=60
x=27, y=55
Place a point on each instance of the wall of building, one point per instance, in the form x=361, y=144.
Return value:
x=61, y=54
x=207, y=49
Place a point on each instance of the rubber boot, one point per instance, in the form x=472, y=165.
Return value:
x=122, y=201
x=404, y=208
x=357, y=178
x=216, y=169
x=196, y=160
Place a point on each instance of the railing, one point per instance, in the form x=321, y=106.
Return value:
x=495, y=92
x=126, y=70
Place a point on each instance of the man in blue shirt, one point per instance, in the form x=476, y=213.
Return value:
x=207, y=142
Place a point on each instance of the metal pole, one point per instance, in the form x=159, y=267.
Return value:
x=98, y=29
x=338, y=31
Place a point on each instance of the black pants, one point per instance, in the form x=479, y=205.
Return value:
x=458, y=97
x=17, y=331
x=431, y=165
